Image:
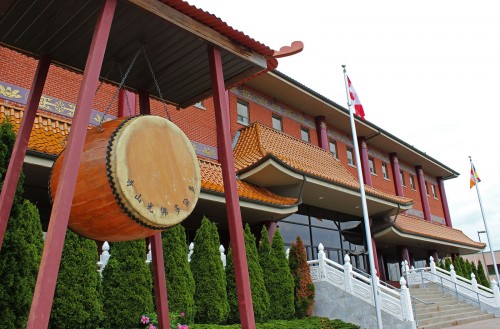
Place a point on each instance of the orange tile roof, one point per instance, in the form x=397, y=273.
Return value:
x=212, y=181
x=418, y=226
x=257, y=142
x=49, y=134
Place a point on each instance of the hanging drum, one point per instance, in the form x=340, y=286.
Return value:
x=137, y=176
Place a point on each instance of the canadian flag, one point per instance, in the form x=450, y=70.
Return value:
x=358, y=108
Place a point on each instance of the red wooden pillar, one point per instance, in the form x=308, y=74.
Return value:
x=21, y=144
x=51, y=257
x=423, y=193
x=126, y=103
x=444, y=202
x=365, y=166
x=271, y=229
x=157, y=250
x=404, y=254
x=375, y=257
x=396, y=173
x=322, y=133
x=230, y=190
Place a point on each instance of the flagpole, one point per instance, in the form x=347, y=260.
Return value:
x=366, y=221
x=484, y=220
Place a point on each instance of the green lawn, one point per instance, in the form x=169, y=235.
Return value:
x=307, y=323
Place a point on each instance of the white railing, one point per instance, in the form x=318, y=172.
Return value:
x=104, y=257
x=395, y=302
x=467, y=289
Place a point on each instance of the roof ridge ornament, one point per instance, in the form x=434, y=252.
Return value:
x=285, y=51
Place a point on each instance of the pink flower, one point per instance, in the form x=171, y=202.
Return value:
x=151, y=326
x=182, y=314
x=144, y=319
x=182, y=326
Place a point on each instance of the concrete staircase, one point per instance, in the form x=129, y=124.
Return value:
x=446, y=311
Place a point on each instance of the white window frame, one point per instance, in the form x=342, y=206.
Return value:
x=277, y=119
x=350, y=161
x=242, y=119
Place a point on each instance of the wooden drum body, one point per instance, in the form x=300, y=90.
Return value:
x=137, y=176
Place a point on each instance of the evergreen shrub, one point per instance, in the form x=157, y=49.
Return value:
x=210, y=297
x=304, y=287
x=127, y=285
x=180, y=282
x=277, y=276
x=77, y=300
x=22, y=246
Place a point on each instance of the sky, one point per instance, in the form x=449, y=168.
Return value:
x=426, y=71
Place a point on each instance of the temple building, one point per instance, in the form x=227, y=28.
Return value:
x=294, y=162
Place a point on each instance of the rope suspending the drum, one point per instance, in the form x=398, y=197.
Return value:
x=118, y=89
x=156, y=84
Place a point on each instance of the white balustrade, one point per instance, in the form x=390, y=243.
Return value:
x=149, y=255
x=469, y=290
x=103, y=259
x=394, y=302
x=222, y=255
x=191, y=249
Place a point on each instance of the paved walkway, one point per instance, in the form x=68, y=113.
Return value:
x=484, y=324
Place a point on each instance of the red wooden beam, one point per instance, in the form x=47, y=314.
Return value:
x=226, y=160
x=157, y=249
x=21, y=144
x=51, y=257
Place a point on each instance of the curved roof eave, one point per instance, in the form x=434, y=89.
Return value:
x=290, y=168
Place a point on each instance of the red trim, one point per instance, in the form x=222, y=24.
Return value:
x=21, y=144
x=365, y=166
x=159, y=281
x=423, y=193
x=226, y=159
x=51, y=258
x=444, y=202
x=396, y=174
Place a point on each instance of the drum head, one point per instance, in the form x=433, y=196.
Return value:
x=153, y=171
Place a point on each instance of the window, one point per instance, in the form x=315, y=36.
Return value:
x=384, y=170
x=333, y=148
x=412, y=182
x=426, y=188
x=433, y=188
x=402, y=178
x=243, y=112
x=304, y=134
x=350, y=158
x=371, y=164
x=277, y=123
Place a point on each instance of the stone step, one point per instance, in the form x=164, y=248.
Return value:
x=433, y=313
x=439, y=303
x=438, y=318
x=431, y=296
x=450, y=317
x=455, y=322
